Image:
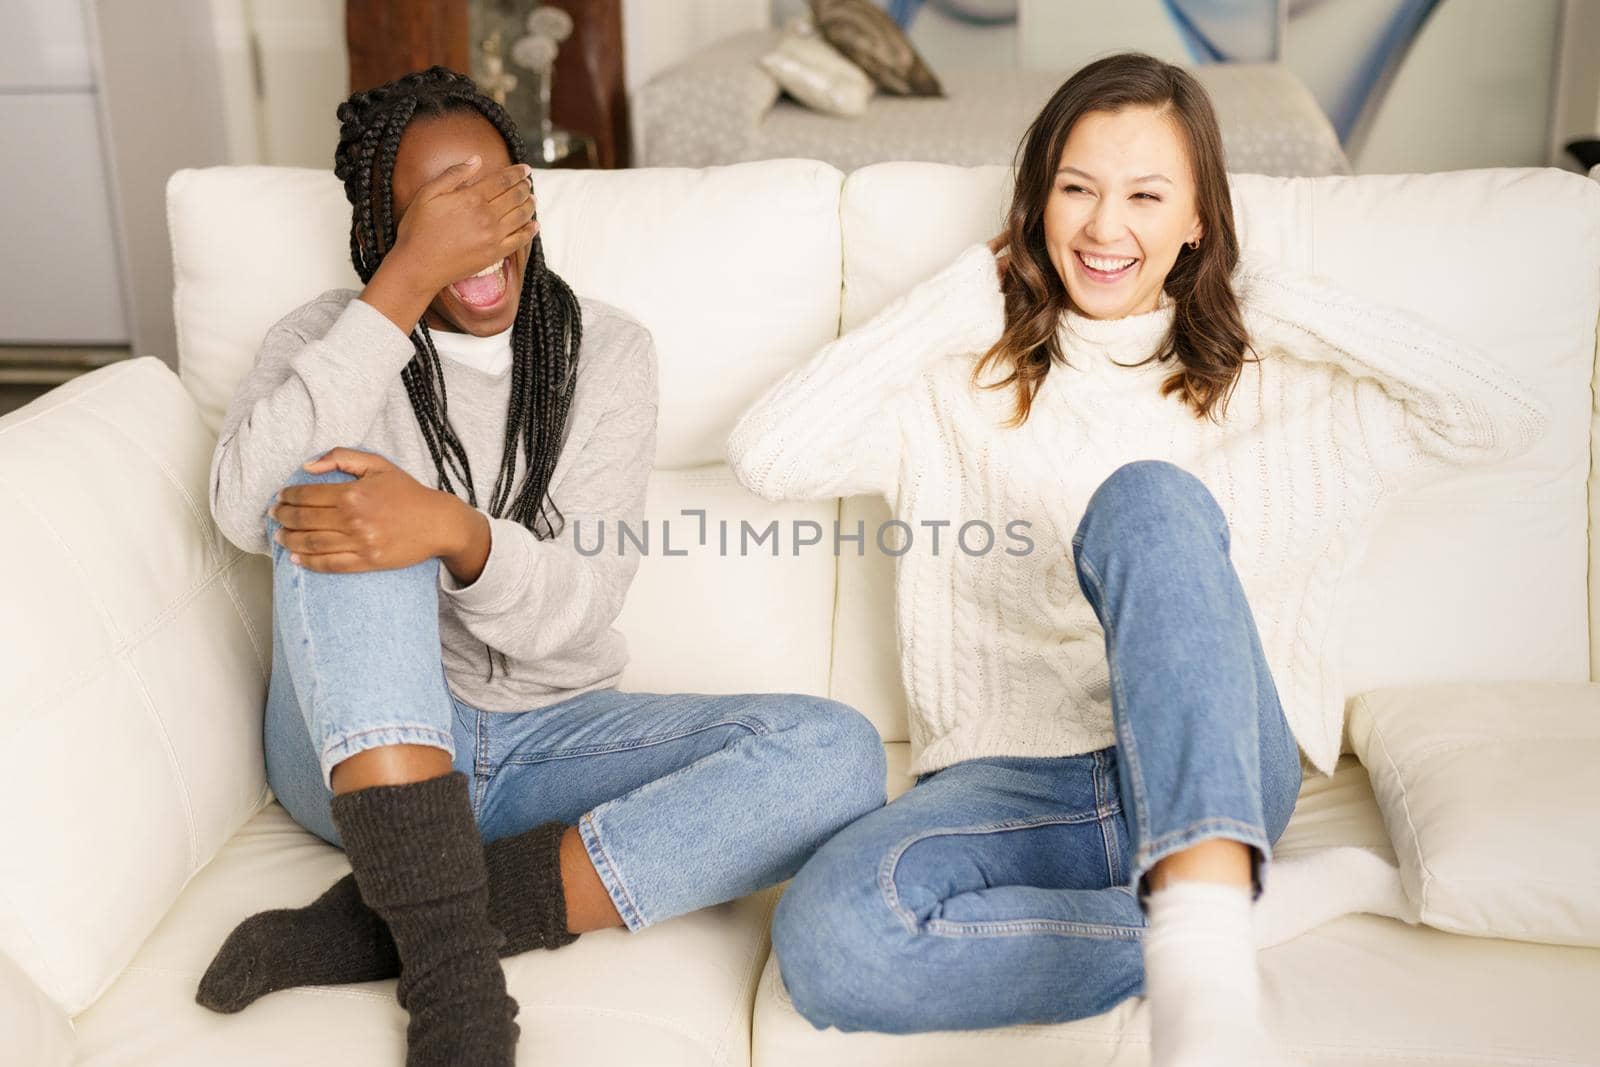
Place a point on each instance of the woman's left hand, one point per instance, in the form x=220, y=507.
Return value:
x=1002, y=254
x=383, y=520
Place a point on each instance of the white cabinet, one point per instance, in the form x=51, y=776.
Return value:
x=59, y=255
x=44, y=45
x=59, y=268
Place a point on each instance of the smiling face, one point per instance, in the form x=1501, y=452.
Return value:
x=1120, y=210
x=429, y=145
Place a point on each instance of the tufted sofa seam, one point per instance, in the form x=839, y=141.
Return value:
x=119, y=652
x=203, y=523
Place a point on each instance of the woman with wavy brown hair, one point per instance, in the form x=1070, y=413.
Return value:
x=1106, y=718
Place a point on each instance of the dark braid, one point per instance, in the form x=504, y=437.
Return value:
x=544, y=338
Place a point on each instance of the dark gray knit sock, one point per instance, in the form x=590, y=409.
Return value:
x=526, y=899
x=338, y=939
x=334, y=939
x=418, y=861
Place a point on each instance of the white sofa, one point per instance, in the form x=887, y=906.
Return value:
x=135, y=638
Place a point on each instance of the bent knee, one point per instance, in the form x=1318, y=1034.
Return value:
x=832, y=954
x=845, y=751
x=1147, y=494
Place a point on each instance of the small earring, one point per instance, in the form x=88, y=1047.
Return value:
x=1194, y=243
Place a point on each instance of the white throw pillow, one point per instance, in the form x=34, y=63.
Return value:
x=1491, y=795
x=818, y=75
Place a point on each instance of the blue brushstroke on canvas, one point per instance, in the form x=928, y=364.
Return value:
x=1243, y=31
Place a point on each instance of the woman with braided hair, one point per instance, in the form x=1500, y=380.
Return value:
x=442, y=702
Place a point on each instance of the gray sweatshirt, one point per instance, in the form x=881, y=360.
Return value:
x=328, y=374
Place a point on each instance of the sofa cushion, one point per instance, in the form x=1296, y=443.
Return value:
x=1360, y=989
x=874, y=42
x=1491, y=799
x=136, y=654
x=733, y=270
x=729, y=614
x=677, y=994
x=37, y=1031
x=1504, y=596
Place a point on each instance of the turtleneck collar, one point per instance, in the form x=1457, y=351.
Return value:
x=1112, y=347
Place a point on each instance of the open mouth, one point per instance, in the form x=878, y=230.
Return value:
x=484, y=289
x=1106, y=268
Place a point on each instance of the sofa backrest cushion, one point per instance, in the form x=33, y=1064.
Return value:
x=733, y=270
x=137, y=646
x=723, y=602
x=1479, y=576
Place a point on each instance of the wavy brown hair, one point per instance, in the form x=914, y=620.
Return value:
x=1208, y=337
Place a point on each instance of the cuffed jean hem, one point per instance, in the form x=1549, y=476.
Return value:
x=1208, y=829
x=391, y=734
x=621, y=899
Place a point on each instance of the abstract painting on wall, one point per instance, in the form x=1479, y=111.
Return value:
x=1372, y=37
x=1347, y=51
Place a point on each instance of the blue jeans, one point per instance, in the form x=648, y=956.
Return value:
x=1009, y=890
x=682, y=800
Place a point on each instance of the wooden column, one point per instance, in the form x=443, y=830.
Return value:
x=388, y=38
x=589, y=94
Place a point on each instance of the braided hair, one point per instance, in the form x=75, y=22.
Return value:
x=545, y=335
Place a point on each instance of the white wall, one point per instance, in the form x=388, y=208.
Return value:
x=62, y=273
x=159, y=83
x=237, y=79
x=1577, y=105
x=305, y=74
x=657, y=34
x=284, y=69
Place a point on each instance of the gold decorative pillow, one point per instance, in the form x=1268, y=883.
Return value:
x=870, y=39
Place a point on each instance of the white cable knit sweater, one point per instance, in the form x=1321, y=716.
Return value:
x=1000, y=654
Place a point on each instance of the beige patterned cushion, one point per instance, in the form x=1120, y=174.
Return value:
x=815, y=73
x=871, y=40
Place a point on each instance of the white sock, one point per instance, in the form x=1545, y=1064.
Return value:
x=1306, y=890
x=1200, y=979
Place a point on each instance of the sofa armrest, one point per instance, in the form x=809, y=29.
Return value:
x=692, y=114
x=37, y=1031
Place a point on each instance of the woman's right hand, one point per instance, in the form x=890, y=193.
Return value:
x=461, y=222
x=456, y=225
